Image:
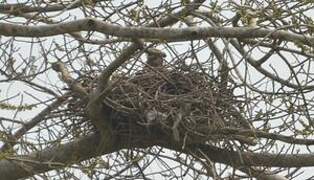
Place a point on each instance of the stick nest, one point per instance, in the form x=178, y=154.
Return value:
x=184, y=105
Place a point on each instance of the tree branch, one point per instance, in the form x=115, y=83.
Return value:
x=33, y=122
x=57, y=157
x=239, y=159
x=167, y=34
x=18, y=8
x=66, y=77
x=60, y=156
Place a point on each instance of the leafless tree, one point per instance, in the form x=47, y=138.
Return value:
x=98, y=89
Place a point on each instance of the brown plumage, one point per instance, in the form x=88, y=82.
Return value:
x=155, y=57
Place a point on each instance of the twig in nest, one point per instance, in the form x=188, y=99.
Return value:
x=175, y=127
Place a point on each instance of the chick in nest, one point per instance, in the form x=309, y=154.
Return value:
x=155, y=58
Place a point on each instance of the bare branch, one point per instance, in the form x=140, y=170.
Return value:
x=66, y=77
x=163, y=34
x=84, y=148
x=33, y=122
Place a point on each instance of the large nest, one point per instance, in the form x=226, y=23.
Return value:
x=179, y=104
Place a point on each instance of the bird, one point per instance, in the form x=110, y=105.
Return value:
x=154, y=65
x=155, y=57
